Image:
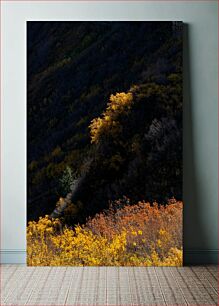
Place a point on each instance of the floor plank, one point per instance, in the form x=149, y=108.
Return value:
x=128, y=286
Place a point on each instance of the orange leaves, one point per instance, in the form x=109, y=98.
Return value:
x=150, y=229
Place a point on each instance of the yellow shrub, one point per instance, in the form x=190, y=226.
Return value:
x=78, y=247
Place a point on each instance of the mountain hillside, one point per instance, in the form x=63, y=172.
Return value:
x=104, y=115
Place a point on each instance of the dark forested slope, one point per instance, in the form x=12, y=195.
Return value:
x=73, y=68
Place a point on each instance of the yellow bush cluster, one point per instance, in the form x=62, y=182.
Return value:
x=101, y=243
x=48, y=244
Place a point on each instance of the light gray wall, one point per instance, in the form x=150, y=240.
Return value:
x=200, y=110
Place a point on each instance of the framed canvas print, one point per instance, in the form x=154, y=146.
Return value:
x=104, y=143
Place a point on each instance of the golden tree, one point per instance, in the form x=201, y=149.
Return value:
x=108, y=123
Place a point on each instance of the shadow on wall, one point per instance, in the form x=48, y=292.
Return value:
x=193, y=231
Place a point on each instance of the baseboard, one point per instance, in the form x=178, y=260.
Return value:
x=13, y=256
x=191, y=257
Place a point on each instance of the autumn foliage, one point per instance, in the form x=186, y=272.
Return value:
x=120, y=103
x=137, y=235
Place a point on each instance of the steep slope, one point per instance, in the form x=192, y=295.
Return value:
x=73, y=68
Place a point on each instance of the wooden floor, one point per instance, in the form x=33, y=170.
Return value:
x=23, y=285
